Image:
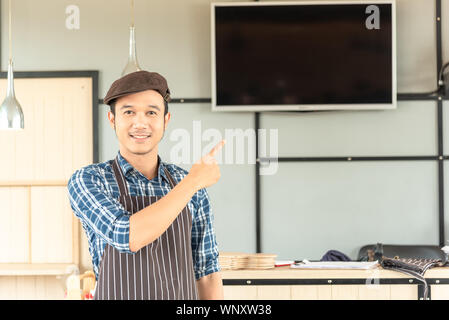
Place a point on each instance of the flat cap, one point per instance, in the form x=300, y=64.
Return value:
x=138, y=81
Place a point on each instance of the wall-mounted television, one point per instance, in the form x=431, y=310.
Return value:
x=308, y=55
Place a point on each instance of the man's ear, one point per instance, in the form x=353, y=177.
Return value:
x=111, y=118
x=167, y=119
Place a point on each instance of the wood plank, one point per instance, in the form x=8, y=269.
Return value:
x=8, y=288
x=304, y=292
x=68, y=110
x=31, y=288
x=26, y=288
x=403, y=292
x=439, y=292
x=51, y=225
x=39, y=152
x=345, y=292
x=35, y=183
x=311, y=292
x=82, y=134
x=53, y=287
x=43, y=269
x=271, y=292
x=14, y=225
x=30, y=218
x=374, y=292
x=240, y=292
x=53, y=137
x=76, y=236
x=8, y=143
x=25, y=141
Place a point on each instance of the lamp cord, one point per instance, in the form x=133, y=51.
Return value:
x=10, y=41
x=132, y=13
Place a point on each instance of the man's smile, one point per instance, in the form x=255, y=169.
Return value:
x=140, y=137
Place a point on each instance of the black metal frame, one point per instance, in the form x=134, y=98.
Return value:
x=440, y=158
x=93, y=74
x=400, y=97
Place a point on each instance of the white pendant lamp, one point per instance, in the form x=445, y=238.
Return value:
x=133, y=64
x=11, y=114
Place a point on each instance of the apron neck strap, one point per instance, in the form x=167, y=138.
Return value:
x=120, y=177
x=172, y=181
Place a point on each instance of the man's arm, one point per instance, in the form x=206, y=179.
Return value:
x=210, y=287
x=205, y=251
x=96, y=208
x=107, y=217
x=149, y=223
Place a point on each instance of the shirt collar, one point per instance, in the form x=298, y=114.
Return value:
x=127, y=168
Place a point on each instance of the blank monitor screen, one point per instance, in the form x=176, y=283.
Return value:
x=302, y=54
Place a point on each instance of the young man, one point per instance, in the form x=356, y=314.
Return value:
x=149, y=223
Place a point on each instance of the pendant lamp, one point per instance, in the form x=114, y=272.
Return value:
x=11, y=114
x=133, y=64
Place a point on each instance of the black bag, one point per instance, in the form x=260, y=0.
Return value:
x=411, y=260
x=402, y=251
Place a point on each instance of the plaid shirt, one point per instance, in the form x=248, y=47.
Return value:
x=94, y=193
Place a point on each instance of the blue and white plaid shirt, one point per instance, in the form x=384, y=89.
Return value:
x=94, y=193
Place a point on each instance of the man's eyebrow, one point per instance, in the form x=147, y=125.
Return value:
x=150, y=105
x=153, y=106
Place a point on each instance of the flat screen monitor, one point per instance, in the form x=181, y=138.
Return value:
x=310, y=55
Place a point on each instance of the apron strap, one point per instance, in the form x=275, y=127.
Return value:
x=120, y=177
x=172, y=181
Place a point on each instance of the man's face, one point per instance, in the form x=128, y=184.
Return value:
x=139, y=121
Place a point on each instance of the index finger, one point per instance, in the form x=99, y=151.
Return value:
x=217, y=148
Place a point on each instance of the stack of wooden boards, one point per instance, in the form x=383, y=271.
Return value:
x=241, y=260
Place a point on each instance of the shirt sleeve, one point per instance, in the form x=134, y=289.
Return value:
x=98, y=209
x=204, y=244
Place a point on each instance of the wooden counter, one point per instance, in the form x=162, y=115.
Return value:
x=290, y=283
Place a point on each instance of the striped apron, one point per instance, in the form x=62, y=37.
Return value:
x=161, y=270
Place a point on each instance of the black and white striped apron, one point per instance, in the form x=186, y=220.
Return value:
x=161, y=270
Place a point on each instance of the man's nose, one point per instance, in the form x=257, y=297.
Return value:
x=140, y=120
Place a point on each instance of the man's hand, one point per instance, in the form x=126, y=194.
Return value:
x=206, y=172
x=149, y=223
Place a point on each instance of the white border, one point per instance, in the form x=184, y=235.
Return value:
x=255, y=108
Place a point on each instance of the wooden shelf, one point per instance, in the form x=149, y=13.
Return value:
x=30, y=183
x=36, y=269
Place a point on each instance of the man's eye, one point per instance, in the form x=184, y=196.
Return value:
x=151, y=112
x=128, y=112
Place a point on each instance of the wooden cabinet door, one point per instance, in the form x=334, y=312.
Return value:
x=272, y=292
x=240, y=292
x=14, y=226
x=38, y=225
x=52, y=226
